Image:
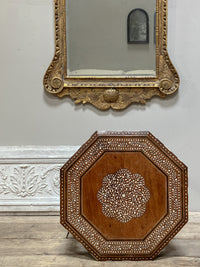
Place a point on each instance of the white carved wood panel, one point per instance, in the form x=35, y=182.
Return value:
x=30, y=178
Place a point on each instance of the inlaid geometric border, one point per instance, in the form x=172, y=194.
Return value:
x=92, y=150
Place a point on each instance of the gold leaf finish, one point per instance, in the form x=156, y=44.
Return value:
x=111, y=95
x=111, y=92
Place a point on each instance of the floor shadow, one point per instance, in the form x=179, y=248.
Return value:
x=167, y=252
x=76, y=249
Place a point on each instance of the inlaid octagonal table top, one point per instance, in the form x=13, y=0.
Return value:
x=124, y=195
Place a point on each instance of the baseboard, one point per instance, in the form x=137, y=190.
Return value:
x=29, y=178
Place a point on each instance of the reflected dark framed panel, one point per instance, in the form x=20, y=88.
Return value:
x=138, y=27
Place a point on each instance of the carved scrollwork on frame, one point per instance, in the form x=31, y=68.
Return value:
x=116, y=92
x=54, y=79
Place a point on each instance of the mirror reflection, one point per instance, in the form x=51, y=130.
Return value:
x=138, y=27
x=111, y=37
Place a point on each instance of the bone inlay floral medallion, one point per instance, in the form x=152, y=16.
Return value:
x=123, y=195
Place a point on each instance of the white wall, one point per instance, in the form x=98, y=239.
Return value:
x=29, y=116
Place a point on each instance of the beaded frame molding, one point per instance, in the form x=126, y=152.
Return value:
x=111, y=92
x=91, y=235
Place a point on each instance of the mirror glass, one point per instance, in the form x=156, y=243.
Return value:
x=111, y=37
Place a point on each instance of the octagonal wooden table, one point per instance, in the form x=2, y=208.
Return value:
x=124, y=195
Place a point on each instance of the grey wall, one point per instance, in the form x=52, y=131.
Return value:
x=97, y=36
x=29, y=116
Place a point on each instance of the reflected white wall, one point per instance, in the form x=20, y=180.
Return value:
x=97, y=38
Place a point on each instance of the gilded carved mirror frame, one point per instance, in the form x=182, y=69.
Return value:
x=111, y=92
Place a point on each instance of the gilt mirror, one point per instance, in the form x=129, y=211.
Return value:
x=111, y=53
